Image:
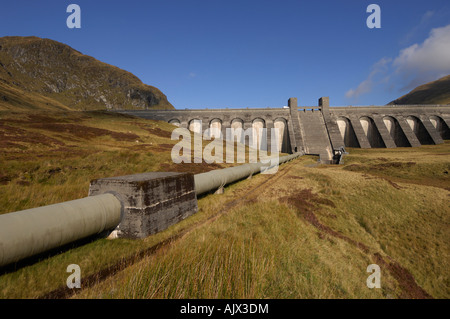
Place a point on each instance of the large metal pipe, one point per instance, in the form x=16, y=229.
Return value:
x=30, y=232
x=33, y=231
x=213, y=180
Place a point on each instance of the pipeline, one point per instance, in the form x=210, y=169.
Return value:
x=29, y=232
x=213, y=180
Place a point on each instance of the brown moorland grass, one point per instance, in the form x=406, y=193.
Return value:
x=311, y=237
x=50, y=158
x=306, y=232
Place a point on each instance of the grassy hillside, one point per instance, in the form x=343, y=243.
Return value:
x=54, y=74
x=436, y=92
x=48, y=158
x=309, y=231
x=14, y=98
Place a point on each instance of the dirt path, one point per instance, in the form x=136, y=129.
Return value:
x=304, y=201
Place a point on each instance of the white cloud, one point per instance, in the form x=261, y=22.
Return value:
x=414, y=65
x=366, y=85
x=425, y=62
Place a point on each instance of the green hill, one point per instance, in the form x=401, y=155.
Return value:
x=436, y=92
x=42, y=73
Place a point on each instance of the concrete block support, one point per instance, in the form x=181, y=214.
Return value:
x=410, y=136
x=151, y=201
x=333, y=130
x=359, y=132
x=324, y=104
x=446, y=119
x=384, y=133
x=295, y=130
x=269, y=127
x=431, y=130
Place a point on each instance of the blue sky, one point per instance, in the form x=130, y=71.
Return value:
x=253, y=53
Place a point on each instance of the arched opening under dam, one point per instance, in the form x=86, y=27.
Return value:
x=283, y=143
x=440, y=126
x=372, y=133
x=175, y=122
x=215, y=128
x=259, y=139
x=237, y=126
x=419, y=130
x=195, y=126
x=347, y=132
x=396, y=131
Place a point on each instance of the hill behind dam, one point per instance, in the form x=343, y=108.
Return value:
x=435, y=92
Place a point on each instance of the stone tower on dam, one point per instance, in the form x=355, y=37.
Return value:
x=322, y=130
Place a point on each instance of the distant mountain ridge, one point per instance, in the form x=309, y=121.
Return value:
x=436, y=92
x=43, y=73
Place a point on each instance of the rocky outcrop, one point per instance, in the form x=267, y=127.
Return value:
x=58, y=72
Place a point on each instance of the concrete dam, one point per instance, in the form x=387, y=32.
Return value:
x=136, y=206
x=322, y=130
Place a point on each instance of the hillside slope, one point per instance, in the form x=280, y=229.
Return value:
x=436, y=92
x=54, y=75
x=309, y=231
x=50, y=157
